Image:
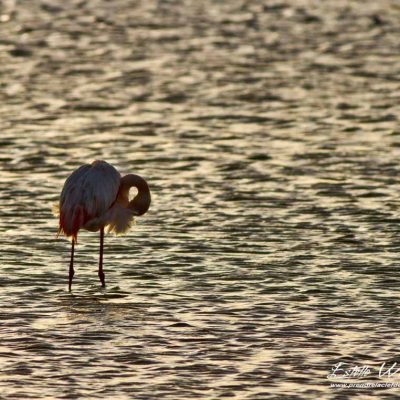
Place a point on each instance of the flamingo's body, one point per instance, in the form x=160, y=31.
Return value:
x=94, y=197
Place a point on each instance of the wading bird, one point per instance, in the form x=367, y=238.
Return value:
x=95, y=197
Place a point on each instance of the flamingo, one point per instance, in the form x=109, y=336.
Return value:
x=95, y=196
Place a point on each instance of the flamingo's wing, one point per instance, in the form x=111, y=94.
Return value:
x=88, y=193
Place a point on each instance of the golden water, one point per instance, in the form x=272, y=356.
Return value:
x=269, y=134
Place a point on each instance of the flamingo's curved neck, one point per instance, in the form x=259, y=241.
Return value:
x=141, y=202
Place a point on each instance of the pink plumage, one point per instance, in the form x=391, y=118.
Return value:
x=88, y=193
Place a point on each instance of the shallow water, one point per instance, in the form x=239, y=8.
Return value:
x=269, y=134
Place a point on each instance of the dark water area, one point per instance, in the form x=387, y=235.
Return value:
x=268, y=132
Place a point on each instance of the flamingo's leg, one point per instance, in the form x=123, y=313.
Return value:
x=71, y=266
x=101, y=273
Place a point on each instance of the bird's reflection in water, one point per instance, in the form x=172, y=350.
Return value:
x=94, y=306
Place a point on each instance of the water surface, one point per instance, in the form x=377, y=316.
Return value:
x=269, y=134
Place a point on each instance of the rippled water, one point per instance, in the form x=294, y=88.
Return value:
x=268, y=131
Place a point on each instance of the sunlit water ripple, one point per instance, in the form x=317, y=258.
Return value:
x=269, y=134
